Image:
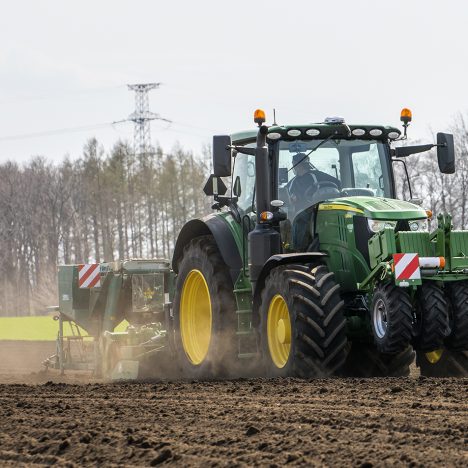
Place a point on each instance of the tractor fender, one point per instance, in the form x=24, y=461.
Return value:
x=275, y=261
x=217, y=227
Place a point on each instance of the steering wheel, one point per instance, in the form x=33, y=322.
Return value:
x=310, y=192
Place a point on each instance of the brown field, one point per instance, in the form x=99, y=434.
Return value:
x=336, y=422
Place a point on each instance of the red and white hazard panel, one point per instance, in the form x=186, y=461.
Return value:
x=406, y=268
x=89, y=275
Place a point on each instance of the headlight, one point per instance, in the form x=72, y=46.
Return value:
x=420, y=225
x=376, y=225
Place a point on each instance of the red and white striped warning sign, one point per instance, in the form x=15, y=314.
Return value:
x=88, y=275
x=406, y=266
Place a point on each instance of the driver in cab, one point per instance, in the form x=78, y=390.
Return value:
x=306, y=181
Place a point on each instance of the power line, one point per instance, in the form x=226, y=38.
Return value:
x=182, y=132
x=59, y=131
x=82, y=128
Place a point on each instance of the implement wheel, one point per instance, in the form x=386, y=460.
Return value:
x=391, y=318
x=443, y=363
x=432, y=321
x=302, y=327
x=204, y=311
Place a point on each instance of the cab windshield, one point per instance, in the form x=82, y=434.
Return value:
x=310, y=171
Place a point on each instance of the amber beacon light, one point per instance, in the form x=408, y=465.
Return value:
x=259, y=116
x=406, y=115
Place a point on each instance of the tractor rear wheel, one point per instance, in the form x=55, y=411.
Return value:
x=391, y=318
x=443, y=363
x=432, y=321
x=458, y=310
x=365, y=361
x=204, y=312
x=302, y=327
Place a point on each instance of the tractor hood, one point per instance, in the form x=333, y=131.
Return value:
x=376, y=208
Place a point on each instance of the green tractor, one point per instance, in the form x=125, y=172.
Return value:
x=312, y=267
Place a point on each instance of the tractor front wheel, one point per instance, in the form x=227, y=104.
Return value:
x=458, y=338
x=432, y=321
x=443, y=363
x=391, y=318
x=302, y=327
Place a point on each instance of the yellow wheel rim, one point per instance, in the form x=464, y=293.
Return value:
x=195, y=317
x=279, y=331
x=434, y=356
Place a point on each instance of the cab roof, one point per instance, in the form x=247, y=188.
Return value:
x=379, y=132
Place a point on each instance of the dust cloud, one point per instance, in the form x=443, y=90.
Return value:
x=21, y=361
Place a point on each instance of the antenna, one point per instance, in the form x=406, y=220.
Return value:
x=274, y=116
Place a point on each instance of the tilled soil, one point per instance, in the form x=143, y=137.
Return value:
x=334, y=422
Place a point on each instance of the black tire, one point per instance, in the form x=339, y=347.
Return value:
x=432, y=321
x=318, y=327
x=202, y=254
x=365, y=361
x=450, y=364
x=458, y=310
x=391, y=318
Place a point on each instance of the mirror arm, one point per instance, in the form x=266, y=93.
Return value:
x=242, y=149
x=221, y=200
x=405, y=151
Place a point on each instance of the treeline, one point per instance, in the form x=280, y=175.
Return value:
x=100, y=207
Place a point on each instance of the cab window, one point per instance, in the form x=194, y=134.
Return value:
x=244, y=170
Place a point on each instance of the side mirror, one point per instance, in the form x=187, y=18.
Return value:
x=222, y=155
x=445, y=153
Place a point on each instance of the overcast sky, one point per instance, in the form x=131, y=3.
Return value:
x=65, y=64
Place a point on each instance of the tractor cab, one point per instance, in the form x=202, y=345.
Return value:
x=309, y=170
x=313, y=163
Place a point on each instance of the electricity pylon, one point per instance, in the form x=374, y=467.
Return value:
x=142, y=117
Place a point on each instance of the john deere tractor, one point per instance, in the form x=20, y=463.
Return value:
x=310, y=266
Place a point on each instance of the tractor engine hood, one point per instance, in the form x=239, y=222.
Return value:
x=376, y=208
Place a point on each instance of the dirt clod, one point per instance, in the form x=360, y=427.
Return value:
x=162, y=457
x=396, y=389
x=63, y=446
x=251, y=430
